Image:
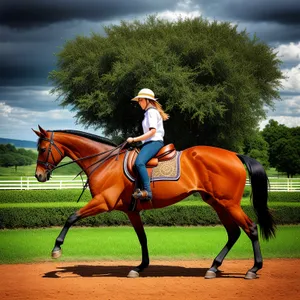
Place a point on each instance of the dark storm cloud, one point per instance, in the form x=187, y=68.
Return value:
x=27, y=45
x=26, y=57
x=25, y=63
x=282, y=12
x=23, y=75
x=272, y=33
x=34, y=13
x=277, y=11
x=32, y=31
x=34, y=98
x=273, y=21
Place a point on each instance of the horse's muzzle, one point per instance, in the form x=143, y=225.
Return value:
x=42, y=177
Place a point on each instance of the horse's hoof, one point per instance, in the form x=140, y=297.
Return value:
x=210, y=275
x=56, y=253
x=250, y=275
x=133, y=274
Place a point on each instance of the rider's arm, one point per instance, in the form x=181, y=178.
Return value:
x=145, y=136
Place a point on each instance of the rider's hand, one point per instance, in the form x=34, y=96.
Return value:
x=130, y=140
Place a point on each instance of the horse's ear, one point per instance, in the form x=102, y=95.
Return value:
x=43, y=131
x=37, y=132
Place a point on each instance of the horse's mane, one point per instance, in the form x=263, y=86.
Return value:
x=90, y=136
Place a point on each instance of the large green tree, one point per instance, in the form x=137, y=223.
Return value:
x=284, y=147
x=213, y=80
x=272, y=133
x=288, y=156
x=256, y=147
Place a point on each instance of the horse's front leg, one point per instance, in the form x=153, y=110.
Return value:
x=56, y=252
x=97, y=205
x=138, y=226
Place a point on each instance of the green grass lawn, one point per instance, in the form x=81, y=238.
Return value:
x=82, y=203
x=121, y=243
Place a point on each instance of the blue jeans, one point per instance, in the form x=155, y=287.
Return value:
x=147, y=152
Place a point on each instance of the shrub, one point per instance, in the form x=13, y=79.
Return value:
x=34, y=196
x=71, y=195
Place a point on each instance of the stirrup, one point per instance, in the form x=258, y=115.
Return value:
x=142, y=195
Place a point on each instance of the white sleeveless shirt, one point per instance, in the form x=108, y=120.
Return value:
x=153, y=119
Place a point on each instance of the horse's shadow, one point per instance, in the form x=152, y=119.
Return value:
x=122, y=271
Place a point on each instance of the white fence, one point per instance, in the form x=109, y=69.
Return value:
x=284, y=185
x=55, y=183
x=67, y=182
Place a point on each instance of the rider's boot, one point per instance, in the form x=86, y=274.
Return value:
x=143, y=195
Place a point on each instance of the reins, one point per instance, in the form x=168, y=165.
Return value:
x=99, y=162
x=121, y=146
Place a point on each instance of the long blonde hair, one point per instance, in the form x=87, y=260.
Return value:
x=158, y=106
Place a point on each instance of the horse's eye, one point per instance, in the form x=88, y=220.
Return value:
x=43, y=150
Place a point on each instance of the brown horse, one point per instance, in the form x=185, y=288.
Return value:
x=217, y=174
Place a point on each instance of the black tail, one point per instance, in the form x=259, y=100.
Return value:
x=260, y=183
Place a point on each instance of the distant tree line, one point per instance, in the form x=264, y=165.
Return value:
x=276, y=146
x=11, y=156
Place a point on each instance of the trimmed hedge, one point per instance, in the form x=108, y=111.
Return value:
x=176, y=215
x=26, y=196
x=71, y=195
x=284, y=196
x=193, y=213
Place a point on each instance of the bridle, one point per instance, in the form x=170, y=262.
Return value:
x=50, y=166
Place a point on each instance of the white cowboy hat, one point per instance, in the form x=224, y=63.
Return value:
x=145, y=93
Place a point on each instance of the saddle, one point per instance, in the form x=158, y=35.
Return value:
x=165, y=153
x=165, y=156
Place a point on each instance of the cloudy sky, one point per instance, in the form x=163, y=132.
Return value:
x=32, y=31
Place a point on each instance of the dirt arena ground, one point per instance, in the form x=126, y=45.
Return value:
x=279, y=279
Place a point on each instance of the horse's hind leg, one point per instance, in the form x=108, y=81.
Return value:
x=250, y=228
x=138, y=226
x=233, y=232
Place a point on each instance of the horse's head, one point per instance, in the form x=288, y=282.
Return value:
x=49, y=154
